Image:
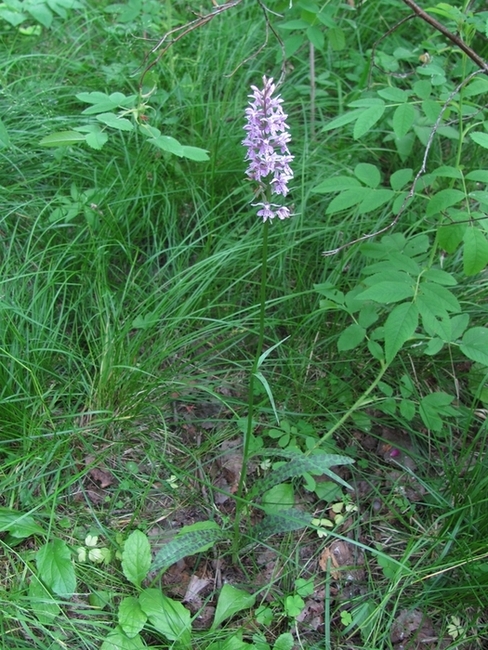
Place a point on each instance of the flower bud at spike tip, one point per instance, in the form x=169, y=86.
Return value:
x=267, y=149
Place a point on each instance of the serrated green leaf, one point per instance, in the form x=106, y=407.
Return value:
x=436, y=321
x=443, y=200
x=351, y=337
x=131, y=617
x=475, y=251
x=403, y=119
x=190, y=540
x=136, y=557
x=336, y=184
x=474, y=344
x=385, y=292
x=433, y=407
x=111, y=120
x=399, y=328
x=284, y=642
x=56, y=569
x=62, y=139
x=440, y=277
x=440, y=298
x=368, y=174
x=167, y=616
x=449, y=236
x=480, y=138
x=337, y=38
x=367, y=120
x=117, y=640
x=231, y=600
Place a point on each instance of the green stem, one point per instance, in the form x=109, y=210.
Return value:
x=240, y=502
x=357, y=404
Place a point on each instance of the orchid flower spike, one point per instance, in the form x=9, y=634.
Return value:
x=267, y=149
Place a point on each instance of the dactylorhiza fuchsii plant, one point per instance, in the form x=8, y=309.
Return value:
x=269, y=167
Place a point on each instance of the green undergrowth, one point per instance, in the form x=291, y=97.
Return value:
x=130, y=274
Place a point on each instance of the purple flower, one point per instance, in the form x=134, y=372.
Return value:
x=267, y=151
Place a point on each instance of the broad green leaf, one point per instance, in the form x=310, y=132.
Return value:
x=347, y=199
x=279, y=497
x=111, y=120
x=440, y=277
x=136, y=557
x=368, y=174
x=400, y=178
x=399, y=328
x=434, y=346
x=342, y=120
x=62, y=139
x=435, y=406
x=407, y=409
x=375, y=199
x=443, y=200
x=474, y=344
x=12, y=15
x=168, y=144
x=351, y=337
x=167, y=616
x=403, y=119
x=458, y=325
x=478, y=175
x=103, y=103
x=56, y=569
x=118, y=640
x=131, y=617
x=18, y=524
x=196, y=538
x=195, y=153
x=436, y=321
x=96, y=139
x=392, y=94
x=386, y=292
x=480, y=138
x=475, y=251
x=367, y=120
x=449, y=236
x=41, y=602
x=336, y=38
x=477, y=86
x=447, y=171
x=336, y=184
x=284, y=642
x=440, y=298
x=316, y=36
x=231, y=600
x=40, y=12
